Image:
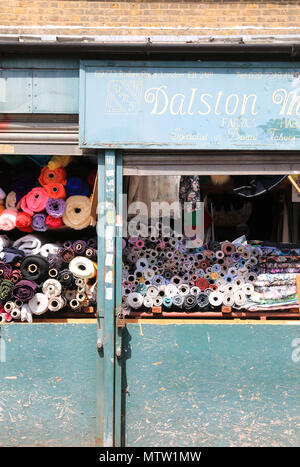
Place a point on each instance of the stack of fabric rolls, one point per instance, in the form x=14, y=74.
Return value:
x=167, y=272
x=275, y=286
x=36, y=277
x=48, y=202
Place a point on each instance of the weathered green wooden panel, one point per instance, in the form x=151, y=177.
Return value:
x=212, y=385
x=48, y=385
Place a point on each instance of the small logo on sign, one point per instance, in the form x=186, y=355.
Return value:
x=123, y=97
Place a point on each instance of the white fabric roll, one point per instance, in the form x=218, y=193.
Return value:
x=228, y=299
x=183, y=289
x=248, y=288
x=148, y=302
x=2, y=318
x=56, y=303
x=49, y=248
x=240, y=298
x=171, y=290
x=152, y=291
x=16, y=313
x=52, y=288
x=26, y=313
x=38, y=304
x=135, y=300
x=30, y=244
x=157, y=301
x=215, y=298
x=82, y=267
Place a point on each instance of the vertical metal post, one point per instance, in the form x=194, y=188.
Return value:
x=106, y=297
x=118, y=282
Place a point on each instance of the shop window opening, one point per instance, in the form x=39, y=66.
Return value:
x=237, y=254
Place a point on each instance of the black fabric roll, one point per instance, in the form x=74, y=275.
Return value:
x=34, y=268
x=66, y=279
x=190, y=301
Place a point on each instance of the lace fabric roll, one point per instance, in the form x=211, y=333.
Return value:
x=52, y=288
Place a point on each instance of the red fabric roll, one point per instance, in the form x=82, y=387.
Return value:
x=57, y=175
x=202, y=283
x=23, y=222
x=55, y=190
x=35, y=201
x=54, y=222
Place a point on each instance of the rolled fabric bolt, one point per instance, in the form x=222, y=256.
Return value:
x=135, y=300
x=161, y=291
x=55, y=190
x=24, y=290
x=52, y=288
x=70, y=294
x=26, y=313
x=77, y=186
x=30, y=244
x=92, y=243
x=67, y=254
x=167, y=302
x=79, y=282
x=8, y=219
x=34, y=268
x=202, y=300
x=183, y=289
x=178, y=300
x=176, y=280
x=56, y=303
x=54, y=222
x=142, y=264
x=16, y=313
x=91, y=253
x=152, y=291
x=228, y=299
x=81, y=297
x=18, y=303
x=248, y=288
x=202, y=283
x=5, y=270
x=34, y=201
x=9, y=307
x=38, y=222
x=74, y=304
x=142, y=289
x=215, y=299
x=6, y=287
x=53, y=273
x=238, y=282
x=57, y=175
x=38, y=304
x=11, y=201
x=82, y=267
x=148, y=302
x=4, y=242
x=79, y=247
x=49, y=248
x=239, y=298
x=228, y=248
x=78, y=212
x=2, y=318
x=251, y=277
x=195, y=290
x=157, y=301
x=190, y=301
x=171, y=290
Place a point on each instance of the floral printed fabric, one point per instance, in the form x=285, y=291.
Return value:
x=189, y=190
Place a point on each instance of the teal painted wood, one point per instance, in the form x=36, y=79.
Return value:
x=48, y=385
x=100, y=307
x=39, y=90
x=106, y=291
x=212, y=385
x=190, y=105
x=118, y=292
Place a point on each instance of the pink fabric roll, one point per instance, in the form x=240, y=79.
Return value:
x=8, y=219
x=34, y=201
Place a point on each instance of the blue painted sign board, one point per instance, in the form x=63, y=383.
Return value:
x=190, y=105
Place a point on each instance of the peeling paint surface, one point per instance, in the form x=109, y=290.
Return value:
x=233, y=385
x=48, y=385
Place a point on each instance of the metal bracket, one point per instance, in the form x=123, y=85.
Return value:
x=100, y=340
